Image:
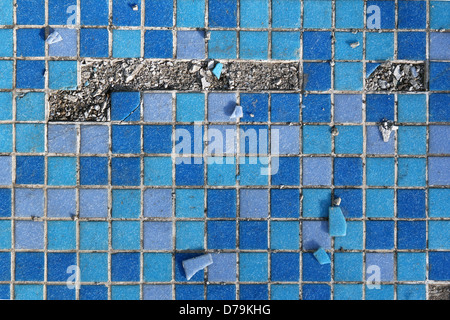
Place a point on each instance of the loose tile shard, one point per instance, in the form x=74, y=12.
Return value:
x=336, y=222
x=237, y=113
x=217, y=70
x=194, y=265
x=91, y=102
x=54, y=37
x=322, y=256
x=386, y=128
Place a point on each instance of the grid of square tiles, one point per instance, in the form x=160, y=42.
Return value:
x=136, y=204
x=394, y=249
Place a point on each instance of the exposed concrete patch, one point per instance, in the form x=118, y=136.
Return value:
x=392, y=76
x=439, y=291
x=99, y=78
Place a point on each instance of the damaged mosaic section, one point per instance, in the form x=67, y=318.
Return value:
x=99, y=78
x=392, y=76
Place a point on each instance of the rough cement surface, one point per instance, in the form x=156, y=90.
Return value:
x=99, y=78
x=439, y=292
x=392, y=76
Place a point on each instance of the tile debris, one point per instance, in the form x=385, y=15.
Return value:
x=194, y=265
x=354, y=44
x=217, y=70
x=322, y=256
x=337, y=202
x=54, y=37
x=91, y=102
x=392, y=76
x=386, y=127
x=237, y=113
x=337, y=223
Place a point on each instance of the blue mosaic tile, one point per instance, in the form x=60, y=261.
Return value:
x=163, y=166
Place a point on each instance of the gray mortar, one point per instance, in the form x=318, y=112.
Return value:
x=99, y=78
x=385, y=77
x=439, y=292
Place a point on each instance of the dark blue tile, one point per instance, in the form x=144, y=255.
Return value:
x=255, y=107
x=158, y=139
x=97, y=292
x=187, y=135
x=316, y=292
x=316, y=108
x=386, y=13
x=221, y=292
x=189, y=292
x=411, y=204
x=379, y=107
x=440, y=107
x=94, y=43
x=221, y=235
x=125, y=266
x=159, y=13
x=221, y=203
x=179, y=270
x=439, y=262
x=30, y=74
x=312, y=270
x=5, y=202
x=58, y=11
x=30, y=42
x=222, y=13
x=30, y=12
x=411, y=45
x=93, y=170
x=253, y=292
x=285, y=203
x=189, y=174
x=5, y=292
x=380, y=234
x=288, y=171
x=412, y=14
x=158, y=44
x=126, y=139
x=57, y=264
x=126, y=171
x=348, y=171
x=253, y=235
x=5, y=266
x=440, y=76
x=124, y=14
x=29, y=266
x=317, y=76
x=285, y=266
x=30, y=170
x=61, y=292
x=285, y=107
x=351, y=202
x=94, y=12
x=316, y=45
x=412, y=235
x=248, y=145
x=125, y=106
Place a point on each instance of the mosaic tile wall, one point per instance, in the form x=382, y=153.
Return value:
x=115, y=200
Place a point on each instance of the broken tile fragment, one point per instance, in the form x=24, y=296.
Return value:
x=217, y=70
x=237, y=113
x=337, y=223
x=194, y=265
x=386, y=127
x=322, y=256
x=54, y=37
x=370, y=68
